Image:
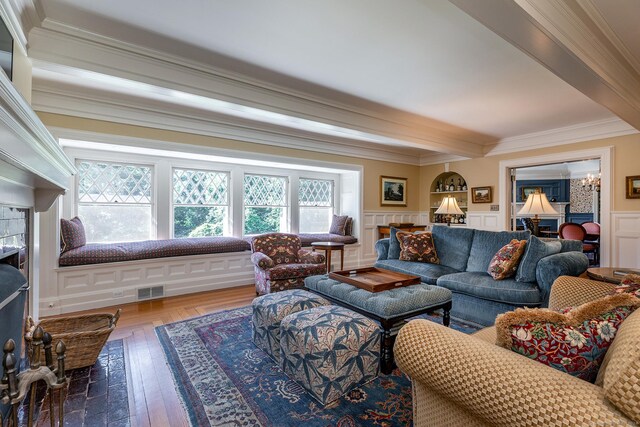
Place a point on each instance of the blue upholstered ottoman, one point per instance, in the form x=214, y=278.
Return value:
x=329, y=350
x=270, y=309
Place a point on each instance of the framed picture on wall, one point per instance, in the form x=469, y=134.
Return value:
x=393, y=191
x=529, y=190
x=633, y=187
x=481, y=195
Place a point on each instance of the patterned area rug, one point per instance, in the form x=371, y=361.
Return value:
x=223, y=379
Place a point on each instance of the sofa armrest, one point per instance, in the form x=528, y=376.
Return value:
x=562, y=264
x=568, y=291
x=497, y=385
x=261, y=260
x=382, y=248
x=308, y=257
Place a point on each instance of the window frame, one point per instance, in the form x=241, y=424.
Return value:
x=332, y=207
x=286, y=207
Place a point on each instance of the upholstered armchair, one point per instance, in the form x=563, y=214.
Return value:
x=280, y=263
x=460, y=379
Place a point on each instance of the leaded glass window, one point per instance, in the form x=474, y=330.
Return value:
x=265, y=204
x=315, y=198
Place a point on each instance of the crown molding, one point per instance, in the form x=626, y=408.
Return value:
x=55, y=43
x=436, y=159
x=84, y=103
x=10, y=11
x=599, y=129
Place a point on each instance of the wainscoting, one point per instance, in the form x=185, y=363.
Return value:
x=625, y=239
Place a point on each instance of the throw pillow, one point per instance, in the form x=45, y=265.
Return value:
x=72, y=234
x=338, y=224
x=417, y=247
x=536, y=249
x=630, y=284
x=394, y=245
x=505, y=262
x=348, y=229
x=574, y=342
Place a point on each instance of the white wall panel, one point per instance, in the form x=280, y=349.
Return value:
x=625, y=240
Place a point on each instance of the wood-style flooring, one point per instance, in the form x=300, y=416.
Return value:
x=153, y=400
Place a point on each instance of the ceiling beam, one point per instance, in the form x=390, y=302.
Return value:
x=561, y=36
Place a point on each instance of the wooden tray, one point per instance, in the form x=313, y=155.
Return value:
x=374, y=279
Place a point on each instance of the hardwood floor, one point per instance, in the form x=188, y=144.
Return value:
x=153, y=400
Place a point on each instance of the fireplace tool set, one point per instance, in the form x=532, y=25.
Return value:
x=15, y=386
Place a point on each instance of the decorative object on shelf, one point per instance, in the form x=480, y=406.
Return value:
x=393, y=191
x=448, y=207
x=537, y=204
x=464, y=185
x=14, y=387
x=459, y=184
x=481, y=195
x=452, y=186
x=633, y=187
x=592, y=181
x=526, y=191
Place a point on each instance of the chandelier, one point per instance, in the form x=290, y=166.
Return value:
x=592, y=182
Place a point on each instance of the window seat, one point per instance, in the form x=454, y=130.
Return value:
x=98, y=253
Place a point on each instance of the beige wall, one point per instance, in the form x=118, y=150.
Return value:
x=484, y=171
x=22, y=72
x=373, y=169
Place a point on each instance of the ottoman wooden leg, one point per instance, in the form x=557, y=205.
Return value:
x=446, y=317
x=386, y=352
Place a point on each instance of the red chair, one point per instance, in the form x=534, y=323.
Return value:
x=573, y=231
x=593, y=236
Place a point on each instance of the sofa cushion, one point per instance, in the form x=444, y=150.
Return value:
x=453, y=245
x=394, y=244
x=292, y=271
x=536, y=250
x=338, y=224
x=486, y=244
x=72, y=234
x=574, y=342
x=481, y=285
x=417, y=247
x=505, y=262
x=428, y=273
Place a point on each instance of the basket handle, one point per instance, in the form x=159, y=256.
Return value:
x=115, y=318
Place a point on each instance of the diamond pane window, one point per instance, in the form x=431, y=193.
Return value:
x=315, y=197
x=265, y=204
x=114, y=201
x=200, y=203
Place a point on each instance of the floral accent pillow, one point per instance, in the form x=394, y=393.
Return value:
x=504, y=263
x=630, y=284
x=574, y=342
x=417, y=247
x=338, y=225
x=72, y=234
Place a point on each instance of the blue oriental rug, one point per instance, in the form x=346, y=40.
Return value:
x=224, y=379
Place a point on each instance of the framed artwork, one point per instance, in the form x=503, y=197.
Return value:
x=529, y=190
x=393, y=191
x=633, y=187
x=481, y=195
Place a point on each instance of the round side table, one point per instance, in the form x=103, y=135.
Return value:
x=329, y=247
x=606, y=274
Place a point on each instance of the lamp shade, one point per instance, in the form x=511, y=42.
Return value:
x=449, y=206
x=537, y=204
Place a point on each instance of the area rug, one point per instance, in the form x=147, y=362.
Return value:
x=223, y=379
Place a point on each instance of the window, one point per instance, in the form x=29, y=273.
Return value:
x=315, y=198
x=265, y=204
x=200, y=203
x=115, y=201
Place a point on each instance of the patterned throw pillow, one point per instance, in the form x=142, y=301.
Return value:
x=71, y=234
x=505, y=262
x=348, y=229
x=574, y=342
x=338, y=224
x=630, y=284
x=417, y=247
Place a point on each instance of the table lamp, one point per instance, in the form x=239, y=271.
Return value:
x=537, y=204
x=449, y=206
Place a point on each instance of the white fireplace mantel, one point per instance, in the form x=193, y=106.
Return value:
x=31, y=160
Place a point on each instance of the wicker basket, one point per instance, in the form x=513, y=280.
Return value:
x=83, y=335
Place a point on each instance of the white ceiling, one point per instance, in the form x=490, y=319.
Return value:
x=411, y=81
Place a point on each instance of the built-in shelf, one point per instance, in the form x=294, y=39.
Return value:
x=450, y=192
x=436, y=197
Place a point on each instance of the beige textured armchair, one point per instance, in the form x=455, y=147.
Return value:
x=462, y=380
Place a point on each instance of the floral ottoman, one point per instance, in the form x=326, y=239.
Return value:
x=329, y=350
x=270, y=309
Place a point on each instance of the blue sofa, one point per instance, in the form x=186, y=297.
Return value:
x=465, y=254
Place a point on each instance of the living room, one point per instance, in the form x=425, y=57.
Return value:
x=298, y=96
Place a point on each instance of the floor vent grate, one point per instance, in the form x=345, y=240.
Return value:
x=150, y=293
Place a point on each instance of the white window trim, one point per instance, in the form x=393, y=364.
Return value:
x=287, y=206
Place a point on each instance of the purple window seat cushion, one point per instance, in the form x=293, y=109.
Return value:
x=307, y=239
x=97, y=253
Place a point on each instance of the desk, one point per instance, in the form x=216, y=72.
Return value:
x=329, y=247
x=384, y=230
